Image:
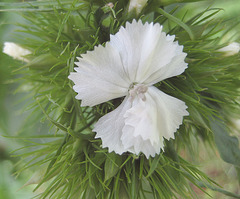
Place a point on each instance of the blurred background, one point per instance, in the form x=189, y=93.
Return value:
x=12, y=117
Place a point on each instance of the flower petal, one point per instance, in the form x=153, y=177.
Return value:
x=140, y=145
x=146, y=50
x=99, y=76
x=109, y=128
x=175, y=67
x=149, y=121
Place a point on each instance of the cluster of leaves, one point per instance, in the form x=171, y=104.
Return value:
x=210, y=84
x=75, y=164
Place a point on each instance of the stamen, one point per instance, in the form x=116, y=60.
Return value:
x=138, y=90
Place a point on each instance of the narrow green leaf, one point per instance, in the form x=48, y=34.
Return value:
x=62, y=25
x=153, y=165
x=112, y=165
x=90, y=160
x=67, y=136
x=134, y=184
x=227, y=193
x=34, y=137
x=177, y=21
x=32, y=3
x=228, y=146
x=57, y=124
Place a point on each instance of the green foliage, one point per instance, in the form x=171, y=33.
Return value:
x=168, y=2
x=79, y=169
x=228, y=146
x=75, y=164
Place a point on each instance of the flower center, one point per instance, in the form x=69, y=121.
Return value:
x=138, y=90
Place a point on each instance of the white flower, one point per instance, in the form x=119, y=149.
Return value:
x=136, y=5
x=230, y=50
x=136, y=58
x=15, y=51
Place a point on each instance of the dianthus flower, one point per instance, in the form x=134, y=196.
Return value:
x=134, y=59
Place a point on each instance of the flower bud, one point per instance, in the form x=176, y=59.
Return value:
x=136, y=5
x=15, y=51
x=230, y=50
